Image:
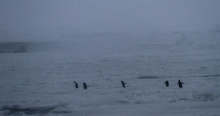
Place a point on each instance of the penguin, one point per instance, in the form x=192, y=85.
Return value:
x=84, y=85
x=180, y=84
x=76, y=84
x=167, y=83
x=123, y=84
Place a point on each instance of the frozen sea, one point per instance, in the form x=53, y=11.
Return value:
x=38, y=80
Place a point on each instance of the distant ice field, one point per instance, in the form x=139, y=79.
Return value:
x=40, y=81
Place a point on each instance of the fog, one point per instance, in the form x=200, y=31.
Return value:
x=46, y=45
x=42, y=20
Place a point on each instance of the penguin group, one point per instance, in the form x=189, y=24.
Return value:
x=180, y=84
x=84, y=85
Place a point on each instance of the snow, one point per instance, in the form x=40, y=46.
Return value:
x=41, y=81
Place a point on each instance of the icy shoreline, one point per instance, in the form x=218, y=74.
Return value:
x=160, y=109
x=210, y=108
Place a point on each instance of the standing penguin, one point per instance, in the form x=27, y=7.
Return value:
x=123, y=84
x=167, y=83
x=180, y=84
x=76, y=84
x=84, y=85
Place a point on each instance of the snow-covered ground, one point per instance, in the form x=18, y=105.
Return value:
x=40, y=82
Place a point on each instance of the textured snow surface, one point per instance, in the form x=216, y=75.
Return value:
x=41, y=82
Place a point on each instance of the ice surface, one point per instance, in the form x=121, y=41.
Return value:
x=41, y=81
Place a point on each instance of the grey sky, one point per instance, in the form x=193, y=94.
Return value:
x=50, y=18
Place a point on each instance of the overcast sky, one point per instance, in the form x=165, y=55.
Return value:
x=50, y=18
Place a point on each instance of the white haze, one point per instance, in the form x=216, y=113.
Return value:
x=39, y=20
x=45, y=45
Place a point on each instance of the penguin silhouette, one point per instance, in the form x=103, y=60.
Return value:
x=167, y=83
x=76, y=84
x=84, y=85
x=180, y=84
x=123, y=84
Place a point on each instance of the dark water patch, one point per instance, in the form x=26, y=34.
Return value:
x=140, y=102
x=13, y=47
x=217, y=75
x=23, y=47
x=16, y=109
x=173, y=100
x=183, y=99
x=147, y=77
x=205, y=96
x=122, y=102
x=60, y=112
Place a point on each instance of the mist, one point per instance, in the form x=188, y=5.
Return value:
x=38, y=20
x=47, y=45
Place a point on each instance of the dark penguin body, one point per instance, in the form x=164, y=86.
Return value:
x=84, y=85
x=180, y=84
x=76, y=84
x=123, y=84
x=167, y=83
